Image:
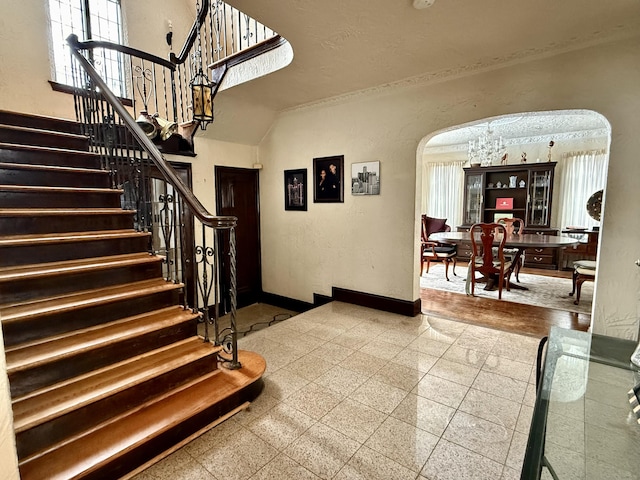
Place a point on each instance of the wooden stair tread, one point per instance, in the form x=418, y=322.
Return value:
x=56, y=400
x=106, y=443
x=105, y=367
x=43, y=149
x=40, y=130
x=85, y=298
x=21, y=272
x=35, y=353
x=37, y=116
x=46, y=189
x=41, y=212
x=51, y=168
x=85, y=236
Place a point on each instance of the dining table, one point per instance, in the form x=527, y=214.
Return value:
x=518, y=242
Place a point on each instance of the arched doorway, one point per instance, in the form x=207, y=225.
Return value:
x=567, y=138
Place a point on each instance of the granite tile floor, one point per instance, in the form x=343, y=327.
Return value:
x=356, y=393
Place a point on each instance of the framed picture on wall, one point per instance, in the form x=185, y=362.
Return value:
x=328, y=179
x=365, y=178
x=295, y=189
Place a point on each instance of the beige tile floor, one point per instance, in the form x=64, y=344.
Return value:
x=356, y=393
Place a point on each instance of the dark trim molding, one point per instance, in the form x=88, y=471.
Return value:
x=285, y=302
x=321, y=299
x=387, y=304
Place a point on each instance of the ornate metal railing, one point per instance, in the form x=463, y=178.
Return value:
x=221, y=37
x=184, y=232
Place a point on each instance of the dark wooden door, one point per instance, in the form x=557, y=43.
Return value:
x=237, y=194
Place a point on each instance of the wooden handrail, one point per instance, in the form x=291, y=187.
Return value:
x=93, y=44
x=221, y=222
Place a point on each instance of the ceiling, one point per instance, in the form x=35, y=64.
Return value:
x=341, y=46
x=531, y=127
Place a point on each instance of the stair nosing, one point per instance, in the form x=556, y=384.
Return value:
x=66, y=237
x=157, y=406
x=24, y=212
x=43, y=189
x=187, y=350
x=113, y=331
x=85, y=298
x=19, y=146
x=122, y=416
x=55, y=168
x=40, y=117
x=44, y=131
x=69, y=267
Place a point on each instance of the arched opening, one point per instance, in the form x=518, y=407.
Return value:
x=574, y=142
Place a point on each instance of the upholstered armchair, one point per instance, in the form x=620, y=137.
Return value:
x=435, y=251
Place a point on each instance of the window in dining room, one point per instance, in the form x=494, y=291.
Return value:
x=444, y=182
x=581, y=175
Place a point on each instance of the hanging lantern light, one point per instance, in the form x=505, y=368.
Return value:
x=202, y=95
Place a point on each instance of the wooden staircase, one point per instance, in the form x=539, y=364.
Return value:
x=107, y=373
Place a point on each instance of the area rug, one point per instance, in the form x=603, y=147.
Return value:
x=543, y=291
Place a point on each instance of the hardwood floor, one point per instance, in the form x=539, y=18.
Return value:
x=507, y=316
x=498, y=314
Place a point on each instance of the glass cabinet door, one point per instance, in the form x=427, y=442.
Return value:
x=540, y=187
x=473, y=198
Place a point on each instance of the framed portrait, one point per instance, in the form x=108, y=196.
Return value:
x=328, y=179
x=295, y=189
x=365, y=178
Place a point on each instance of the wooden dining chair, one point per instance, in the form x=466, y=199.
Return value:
x=513, y=226
x=435, y=251
x=484, y=260
x=583, y=270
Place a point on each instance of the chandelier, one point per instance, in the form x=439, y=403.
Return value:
x=487, y=149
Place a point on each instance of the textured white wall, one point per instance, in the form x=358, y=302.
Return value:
x=370, y=243
x=209, y=154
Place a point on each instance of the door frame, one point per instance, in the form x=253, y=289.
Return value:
x=223, y=242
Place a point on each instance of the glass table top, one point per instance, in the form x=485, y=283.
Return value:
x=583, y=426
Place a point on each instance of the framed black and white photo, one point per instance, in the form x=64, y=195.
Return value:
x=328, y=179
x=295, y=189
x=365, y=178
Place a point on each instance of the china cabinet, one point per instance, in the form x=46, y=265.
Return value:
x=522, y=191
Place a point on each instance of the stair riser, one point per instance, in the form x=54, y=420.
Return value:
x=84, y=418
x=44, y=123
x=58, y=159
x=43, y=139
x=25, y=225
x=52, y=285
x=53, y=178
x=119, y=466
x=57, y=199
x=28, y=254
x=26, y=381
x=144, y=410
x=58, y=323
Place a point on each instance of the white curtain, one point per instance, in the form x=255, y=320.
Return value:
x=581, y=175
x=444, y=182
